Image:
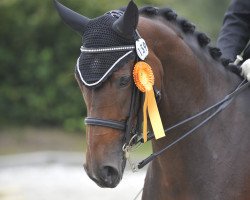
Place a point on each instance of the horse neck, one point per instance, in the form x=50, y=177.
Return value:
x=192, y=82
x=191, y=158
x=190, y=79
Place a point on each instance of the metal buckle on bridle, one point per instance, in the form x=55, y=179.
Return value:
x=130, y=147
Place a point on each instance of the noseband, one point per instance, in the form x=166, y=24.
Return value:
x=106, y=123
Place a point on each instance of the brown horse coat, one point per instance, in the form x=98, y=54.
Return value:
x=213, y=163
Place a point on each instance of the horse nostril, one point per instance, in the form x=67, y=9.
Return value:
x=109, y=176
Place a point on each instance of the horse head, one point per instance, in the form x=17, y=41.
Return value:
x=104, y=73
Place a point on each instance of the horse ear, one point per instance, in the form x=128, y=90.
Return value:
x=76, y=21
x=127, y=23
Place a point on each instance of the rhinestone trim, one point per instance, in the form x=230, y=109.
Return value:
x=106, y=49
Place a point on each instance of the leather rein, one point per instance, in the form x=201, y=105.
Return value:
x=221, y=105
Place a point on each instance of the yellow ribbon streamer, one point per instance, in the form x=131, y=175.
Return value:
x=144, y=80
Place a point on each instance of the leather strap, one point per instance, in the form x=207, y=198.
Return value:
x=107, y=123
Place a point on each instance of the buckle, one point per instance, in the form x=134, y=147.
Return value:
x=128, y=148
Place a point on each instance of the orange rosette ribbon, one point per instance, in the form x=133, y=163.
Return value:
x=144, y=80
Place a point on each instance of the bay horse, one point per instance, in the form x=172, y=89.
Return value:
x=211, y=164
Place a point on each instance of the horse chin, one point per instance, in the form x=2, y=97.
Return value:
x=104, y=184
x=108, y=176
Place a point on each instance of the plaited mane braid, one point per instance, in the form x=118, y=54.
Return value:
x=215, y=52
x=187, y=28
x=168, y=14
x=202, y=38
x=149, y=11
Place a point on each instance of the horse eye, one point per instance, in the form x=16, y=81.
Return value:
x=125, y=80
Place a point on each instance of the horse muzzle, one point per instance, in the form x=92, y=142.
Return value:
x=105, y=161
x=106, y=176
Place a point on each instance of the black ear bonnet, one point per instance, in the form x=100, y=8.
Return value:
x=93, y=68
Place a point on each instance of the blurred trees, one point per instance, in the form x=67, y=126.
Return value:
x=38, y=54
x=37, y=58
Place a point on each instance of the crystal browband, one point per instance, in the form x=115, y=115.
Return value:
x=106, y=49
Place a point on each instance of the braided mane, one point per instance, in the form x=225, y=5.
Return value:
x=187, y=28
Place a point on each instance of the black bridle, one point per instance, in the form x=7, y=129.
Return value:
x=106, y=123
x=132, y=127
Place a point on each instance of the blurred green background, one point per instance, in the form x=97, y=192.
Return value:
x=38, y=54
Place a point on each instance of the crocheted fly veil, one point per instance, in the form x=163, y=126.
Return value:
x=103, y=50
